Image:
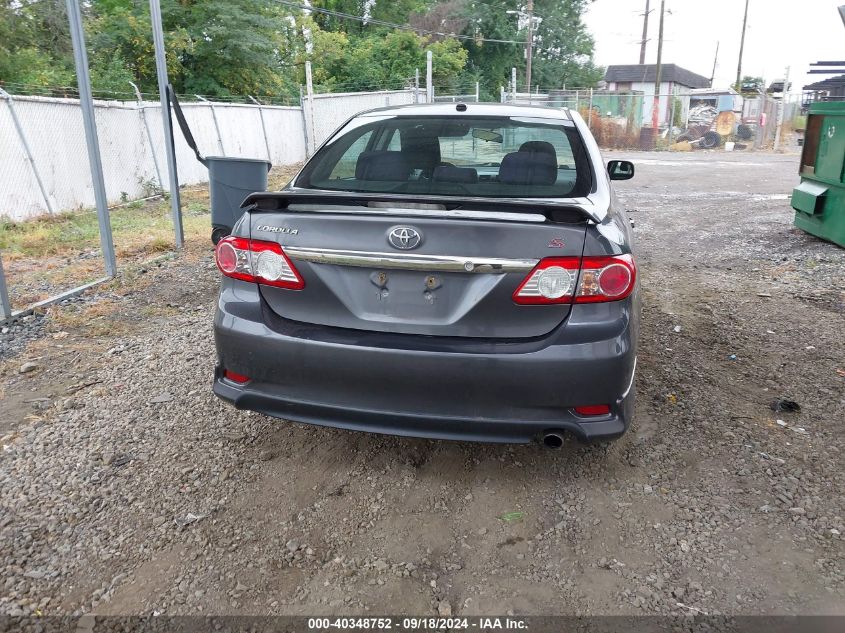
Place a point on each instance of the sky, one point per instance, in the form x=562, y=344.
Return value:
x=780, y=33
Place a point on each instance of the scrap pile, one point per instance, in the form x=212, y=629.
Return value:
x=708, y=128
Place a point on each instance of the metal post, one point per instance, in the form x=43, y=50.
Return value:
x=161, y=71
x=760, y=137
x=513, y=83
x=309, y=90
x=429, y=89
x=216, y=126
x=305, y=133
x=417, y=86
x=263, y=127
x=476, y=94
x=149, y=135
x=86, y=101
x=590, y=111
x=27, y=150
x=501, y=94
x=5, y=304
x=781, y=108
x=672, y=117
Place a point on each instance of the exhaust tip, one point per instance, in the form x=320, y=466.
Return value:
x=553, y=439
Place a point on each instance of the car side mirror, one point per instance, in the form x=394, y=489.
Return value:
x=620, y=169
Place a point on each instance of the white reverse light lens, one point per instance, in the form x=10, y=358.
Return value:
x=554, y=282
x=271, y=266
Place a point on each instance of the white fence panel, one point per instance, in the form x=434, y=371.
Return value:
x=18, y=186
x=125, y=154
x=55, y=133
x=332, y=110
x=285, y=134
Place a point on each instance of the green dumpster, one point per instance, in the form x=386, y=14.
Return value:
x=819, y=201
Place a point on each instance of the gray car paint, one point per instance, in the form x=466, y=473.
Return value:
x=474, y=366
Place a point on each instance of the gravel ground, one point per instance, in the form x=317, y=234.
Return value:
x=127, y=488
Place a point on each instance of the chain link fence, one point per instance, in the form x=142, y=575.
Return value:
x=686, y=121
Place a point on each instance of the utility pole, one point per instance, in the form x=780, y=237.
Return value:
x=529, y=46
x=655, y=110
x=429, y=88
x=741, y=48
x=645, y=32
x=715, y=60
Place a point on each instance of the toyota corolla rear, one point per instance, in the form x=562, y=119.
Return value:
x=436, y=272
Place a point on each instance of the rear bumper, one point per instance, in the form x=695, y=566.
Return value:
x=508, y=391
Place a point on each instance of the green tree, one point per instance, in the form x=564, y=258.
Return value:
x=491, y=61
x=381, y=60
x=563, y=48
x=35, y=47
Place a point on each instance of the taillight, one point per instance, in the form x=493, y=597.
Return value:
x=578, y=280
x=257, y=261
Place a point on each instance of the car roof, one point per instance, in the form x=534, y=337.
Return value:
x=478, y=109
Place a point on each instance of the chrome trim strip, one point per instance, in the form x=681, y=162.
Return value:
x=443, y=263
x=423, y=213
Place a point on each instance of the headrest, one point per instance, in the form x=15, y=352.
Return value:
x=382, y=165
x=538, y=146
x=528, y=168
x=445, y=173
x=422, y=152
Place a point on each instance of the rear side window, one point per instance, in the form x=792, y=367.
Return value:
x=503, y=157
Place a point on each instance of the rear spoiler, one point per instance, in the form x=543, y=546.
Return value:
x=554, y=210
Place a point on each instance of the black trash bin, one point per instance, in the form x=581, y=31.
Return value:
x=230, y=180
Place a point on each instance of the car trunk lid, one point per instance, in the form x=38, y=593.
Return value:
x=393, y=267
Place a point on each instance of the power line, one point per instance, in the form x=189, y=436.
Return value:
x=394, y=25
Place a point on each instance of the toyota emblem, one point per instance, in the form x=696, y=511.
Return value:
x=404, y=238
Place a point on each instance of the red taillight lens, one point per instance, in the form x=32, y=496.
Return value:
x=593, y=409
x=235, y=377
x=257, y=261
x=578, y=280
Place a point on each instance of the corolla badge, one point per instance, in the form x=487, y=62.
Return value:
x=404, y=237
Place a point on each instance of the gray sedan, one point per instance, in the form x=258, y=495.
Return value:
x=453, y=271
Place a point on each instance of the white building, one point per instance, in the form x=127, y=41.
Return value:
x=640, y=78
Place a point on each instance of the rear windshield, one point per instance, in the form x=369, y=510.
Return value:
x=502, y=157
